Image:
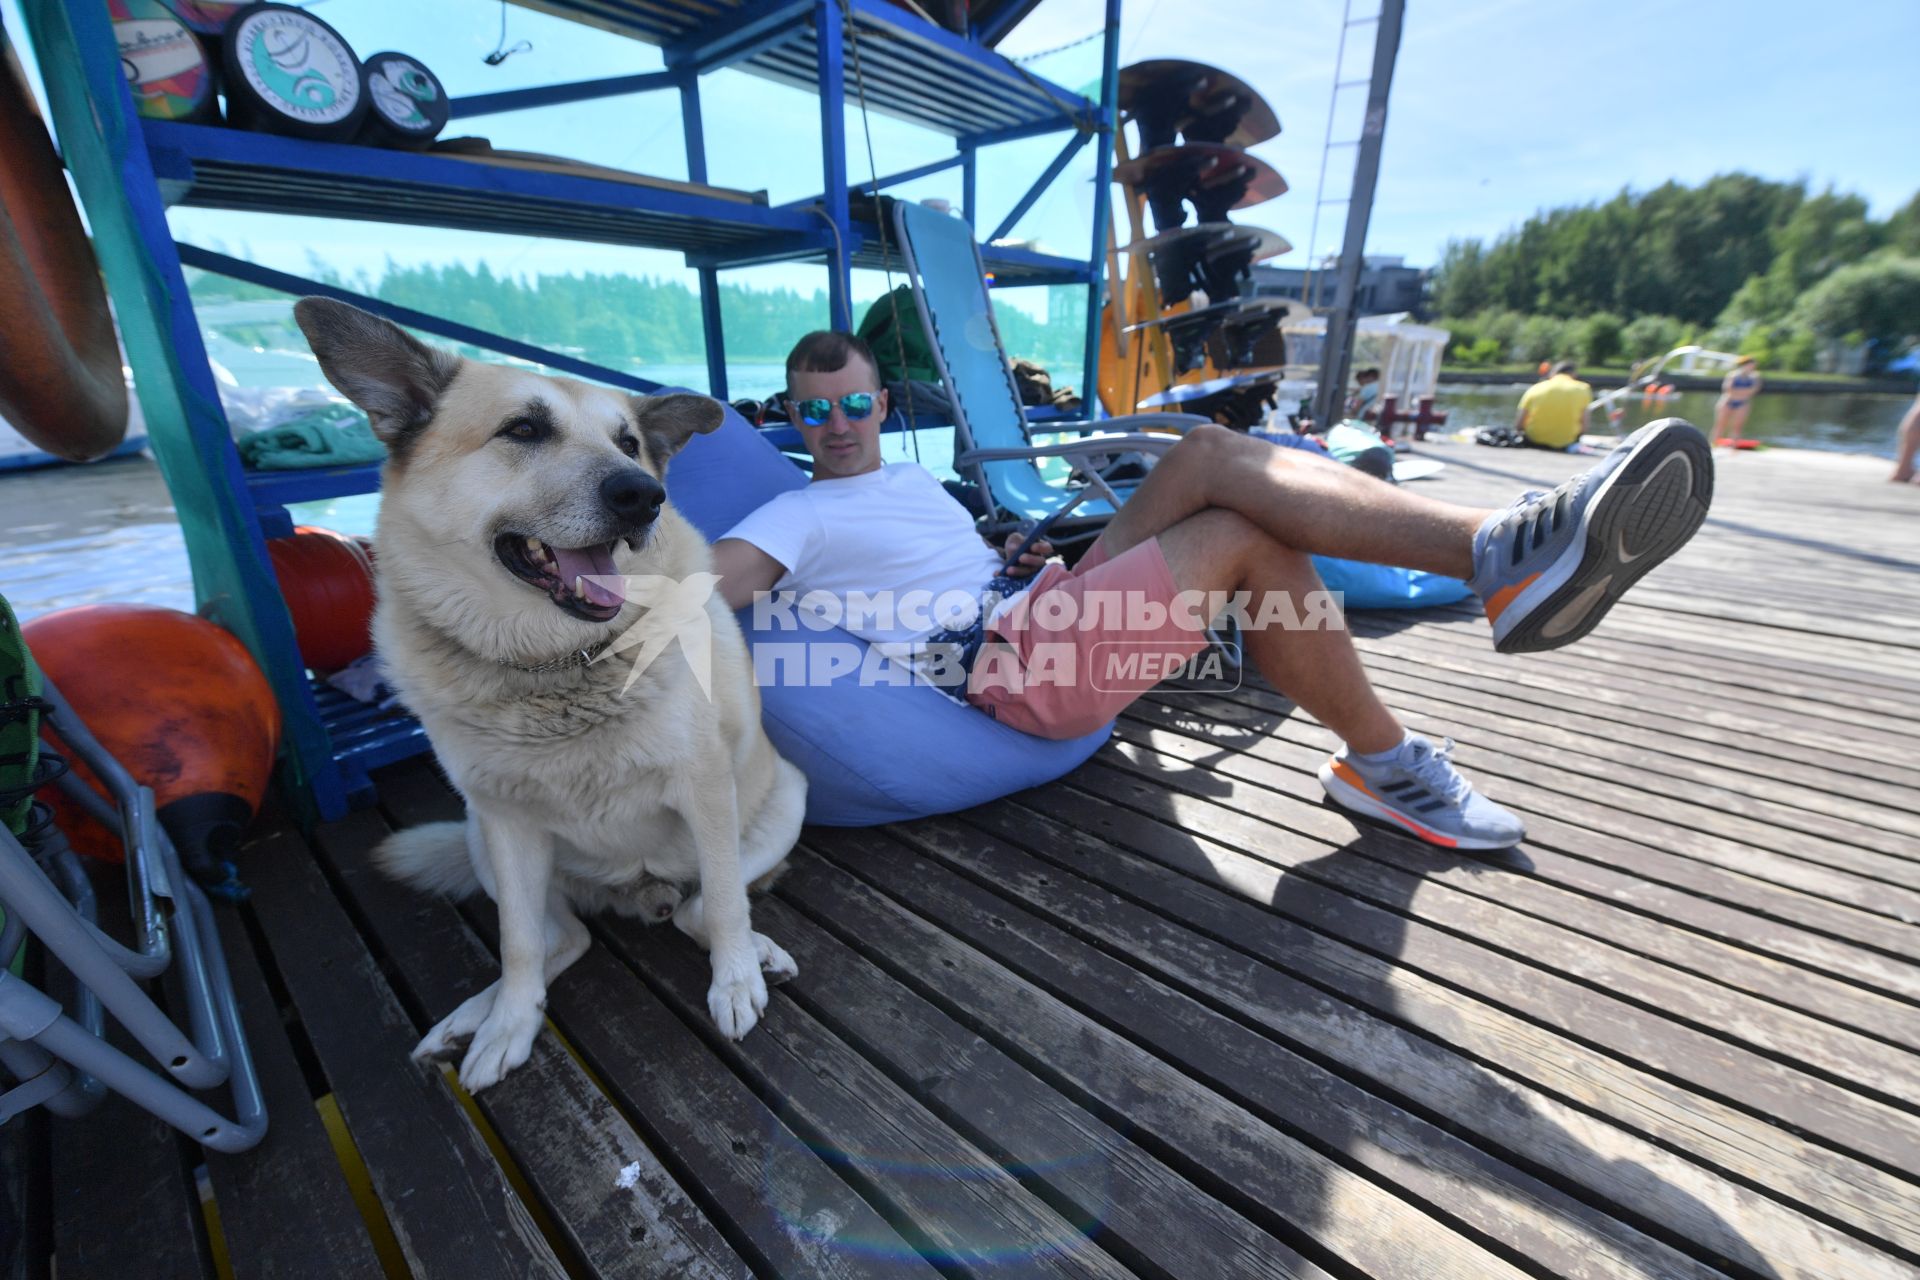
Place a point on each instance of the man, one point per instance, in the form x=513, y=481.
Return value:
x=1553, y=413
x=1366, y=395
x=1225, y=513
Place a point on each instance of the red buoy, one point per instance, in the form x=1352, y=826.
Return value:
x=327, y=579
x=181, y=704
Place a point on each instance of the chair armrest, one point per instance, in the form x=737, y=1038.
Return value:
x=1181, y=422
x=1129, y=442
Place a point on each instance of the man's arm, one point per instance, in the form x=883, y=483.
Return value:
x=744, y=569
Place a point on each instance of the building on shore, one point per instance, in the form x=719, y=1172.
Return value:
x=1387, y=284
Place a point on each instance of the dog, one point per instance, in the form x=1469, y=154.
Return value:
x=512, y=506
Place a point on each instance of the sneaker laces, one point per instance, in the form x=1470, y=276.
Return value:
x=1523, y=516
x=1433, y=766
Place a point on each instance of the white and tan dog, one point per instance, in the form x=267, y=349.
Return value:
x=505, y=495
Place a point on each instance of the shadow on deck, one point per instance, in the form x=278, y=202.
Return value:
x=1173, y=1016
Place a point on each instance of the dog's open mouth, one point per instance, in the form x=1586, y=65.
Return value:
x=565, y=573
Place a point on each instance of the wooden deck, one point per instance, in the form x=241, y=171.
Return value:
x=1173, y=1016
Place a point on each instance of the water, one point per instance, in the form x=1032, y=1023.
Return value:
x=104, y=533
x=1830, y=421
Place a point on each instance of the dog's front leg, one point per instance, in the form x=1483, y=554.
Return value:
x=717, y=917
x=520, y=855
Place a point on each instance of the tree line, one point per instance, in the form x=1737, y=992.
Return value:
x=628, y=322
x=1737, y=263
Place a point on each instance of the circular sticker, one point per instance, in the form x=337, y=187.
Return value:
x=166, y=69
x=297, y=67
x=406, y=103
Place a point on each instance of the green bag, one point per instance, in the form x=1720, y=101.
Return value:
x=891, y=327
x=19, y=736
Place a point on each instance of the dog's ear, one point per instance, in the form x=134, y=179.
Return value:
x=389, y=373
x=668, y=422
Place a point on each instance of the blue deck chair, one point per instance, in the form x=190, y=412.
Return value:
x=993, y=447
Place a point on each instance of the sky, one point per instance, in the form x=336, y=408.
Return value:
x=1499, y=109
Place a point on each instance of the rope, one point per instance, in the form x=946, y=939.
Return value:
x=880, y=217
x=1060, y=48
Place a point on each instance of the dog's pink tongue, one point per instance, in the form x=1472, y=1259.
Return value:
x=578, y=566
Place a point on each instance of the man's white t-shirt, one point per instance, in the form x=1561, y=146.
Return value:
x=894, y=530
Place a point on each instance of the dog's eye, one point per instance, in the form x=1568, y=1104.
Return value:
x=630, y=446
x=523, y=429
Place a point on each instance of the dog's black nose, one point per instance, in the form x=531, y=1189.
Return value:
x=633, y=495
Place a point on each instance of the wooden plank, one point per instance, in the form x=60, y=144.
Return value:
x=1870, y=882
x=1849, y=1120
x=1461, y=1058
x=124, y=1201
x=1228, y=1135
x=450, y=1205
x=619, y=1208
x=1513, y=749
x=952, y=1201
x=1518, y=882
x=1266, y=735
x=1883, y=1069
x=1546, y=692
x=777, y=1202
x=1140, y=1208
x=285, y=1209
x=1682, y=774
x=25, y=1221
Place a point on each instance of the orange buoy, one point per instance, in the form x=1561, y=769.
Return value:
x=327, y=580
x=181, y=704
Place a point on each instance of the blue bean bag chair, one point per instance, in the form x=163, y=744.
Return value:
x=1382, y=586
x=872, y=753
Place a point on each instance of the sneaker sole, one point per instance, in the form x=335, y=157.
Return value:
x=1643, y=513
x=1354, y=800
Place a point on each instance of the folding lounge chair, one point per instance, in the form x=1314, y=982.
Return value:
x=55, y=1057
x=993, y=447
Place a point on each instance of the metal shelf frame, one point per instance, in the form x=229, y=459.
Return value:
x=129, y=171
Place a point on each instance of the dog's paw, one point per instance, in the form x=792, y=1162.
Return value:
x=503, y=1042
x=738, y=995
x=453, y=1032
x=775, y=963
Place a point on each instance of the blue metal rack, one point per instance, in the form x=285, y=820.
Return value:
x=849, y=52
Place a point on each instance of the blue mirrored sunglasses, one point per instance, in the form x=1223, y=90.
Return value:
x=856, y=406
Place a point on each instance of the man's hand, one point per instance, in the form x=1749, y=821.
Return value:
x=1036, y=555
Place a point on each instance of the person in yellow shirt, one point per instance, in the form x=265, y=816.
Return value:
x=1553, y=413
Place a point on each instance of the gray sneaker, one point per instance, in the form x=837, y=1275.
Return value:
x=1419, y=789
x=1550, y=566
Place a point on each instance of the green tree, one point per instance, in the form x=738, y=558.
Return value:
x=1598, y=338
x=1876, y=301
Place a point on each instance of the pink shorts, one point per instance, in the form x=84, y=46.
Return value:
x=1072, y=651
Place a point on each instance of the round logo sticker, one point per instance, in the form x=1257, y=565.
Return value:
x=298, y=66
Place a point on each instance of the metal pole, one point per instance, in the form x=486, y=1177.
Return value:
x=833, y=159
x=713, y=331
x=1102, y=210
x=1337, y=355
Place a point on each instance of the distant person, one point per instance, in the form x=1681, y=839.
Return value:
x=1737, y=391
x=1365, y=400
x=1907, y=444
x=1553, y=412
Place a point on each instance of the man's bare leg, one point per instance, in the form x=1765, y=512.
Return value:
x=1319, y=669
x=1382, y=772
x=1300, y=501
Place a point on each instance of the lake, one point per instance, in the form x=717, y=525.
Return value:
x=1831, y=421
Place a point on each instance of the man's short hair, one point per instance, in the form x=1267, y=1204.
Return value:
x=1565, y=366
x=1369, y=372
x=827, y=351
